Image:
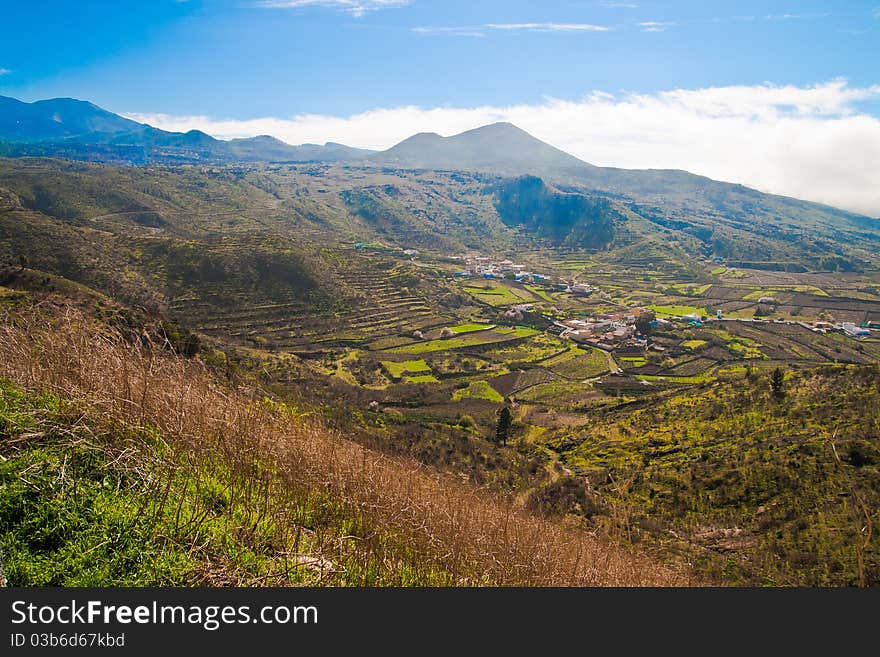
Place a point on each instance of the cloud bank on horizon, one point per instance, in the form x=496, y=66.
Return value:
x=812, y=143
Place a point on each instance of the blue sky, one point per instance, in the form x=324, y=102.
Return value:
x=250, y=58
x=780, y=95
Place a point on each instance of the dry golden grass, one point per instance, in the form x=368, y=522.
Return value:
x=393, y=521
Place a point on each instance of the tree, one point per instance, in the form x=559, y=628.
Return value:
x=643, y=322
x=777, y=383
x=505, y=422
x=22, y=262
x=763, y=310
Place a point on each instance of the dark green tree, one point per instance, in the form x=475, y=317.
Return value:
x=22, y=262
x=777, y=383
x=505, y=423
x=643, y=322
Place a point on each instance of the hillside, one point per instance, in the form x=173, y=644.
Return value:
x=148, y=238
x=758, y=489
x=562, y=217
x=125, y=464
x=709, y=217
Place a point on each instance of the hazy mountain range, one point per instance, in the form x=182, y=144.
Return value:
x=81, y=130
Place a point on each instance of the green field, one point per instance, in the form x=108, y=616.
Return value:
x=770, y=290
x=424, y=378
x=397, y=370
x=540, y=292
x=691, y=289
x=579, y=363
x=496, y=295
x=677, y=310
x=478, y=390
x=473, y=339
x=694, y=344
x=697, y=378
x=471, y=328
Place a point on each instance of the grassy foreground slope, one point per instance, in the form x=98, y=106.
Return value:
x=124, y=464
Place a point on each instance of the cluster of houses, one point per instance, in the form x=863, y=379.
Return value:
x=851, y=329
x=606, y=331
x=488, y=267
x=578, y=289
x=854, y=331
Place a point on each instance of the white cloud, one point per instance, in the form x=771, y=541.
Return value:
x=5, y=71
x=655, y=26
x=480, y=30
x=450, y=31
x=876, y=13
x=789, y=17
x=806, y=142
x=354, y=7
x=548, y=27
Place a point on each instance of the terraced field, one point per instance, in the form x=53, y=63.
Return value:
x=472, y=339
x=579, y=363
x=379, y=307
x=500, y=294
x=478, y=390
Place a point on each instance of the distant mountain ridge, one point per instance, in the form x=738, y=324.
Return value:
x=78, y=129
x=497, y=147
x=58, y=118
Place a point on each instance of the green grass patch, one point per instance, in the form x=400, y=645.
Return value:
x=693, y=344
x=697, y=378
x=424, y=378
x=769, y=290
x=72, y=513
x=471, y=328
x=496, y=295
x=539, y=292
x=677, y=310
x=397, y=370
x=473, y=339
x=691, y=289
x=478, y=390
x=579, y=363
x=745, y=349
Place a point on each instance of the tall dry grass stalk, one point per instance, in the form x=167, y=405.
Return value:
x=407, y=518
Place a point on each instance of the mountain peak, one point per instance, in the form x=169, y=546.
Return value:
x=57, y=118
x=498, y=146
x=426, y=135
x=499, y=126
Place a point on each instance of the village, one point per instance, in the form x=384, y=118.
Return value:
x=620, y=331
x=490, y=268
